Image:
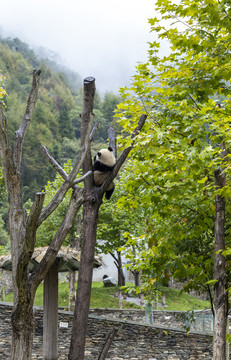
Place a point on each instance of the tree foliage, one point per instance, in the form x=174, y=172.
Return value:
x=2, y=90
x=186, y=94
x=114, y=225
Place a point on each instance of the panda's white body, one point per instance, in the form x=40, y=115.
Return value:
x=104, y=162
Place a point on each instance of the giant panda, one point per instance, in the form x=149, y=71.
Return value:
x=104, y=162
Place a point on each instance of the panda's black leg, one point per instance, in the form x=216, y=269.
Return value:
x=109, y=193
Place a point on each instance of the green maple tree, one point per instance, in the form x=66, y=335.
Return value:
x=186, y=139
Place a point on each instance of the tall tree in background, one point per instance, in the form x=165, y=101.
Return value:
x=115, y=222
x=65, y=126
x=184, y=173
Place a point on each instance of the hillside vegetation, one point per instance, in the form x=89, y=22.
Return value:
x=56, y=121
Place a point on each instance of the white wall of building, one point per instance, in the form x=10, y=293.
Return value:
x=108, y=268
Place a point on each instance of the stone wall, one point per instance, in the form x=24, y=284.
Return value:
x=199, y=321
x=6, y=283
x=133, y=341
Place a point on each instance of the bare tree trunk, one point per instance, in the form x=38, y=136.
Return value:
x=118, y=264
x=22, y=321
x=93, y=196
x=75, y=243
x=136, y=275
x=90, y=218
x=220, y=294
x=84, y=283
x=72, y=277
x=121, y=278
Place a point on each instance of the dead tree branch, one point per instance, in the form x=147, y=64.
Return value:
x=57, y=199
x=21, y=132
x=124, y=154
x=54, y=163
x=106, y=347
x=30, y=235
x=95, y=128
x=5, y=148
x=82, y=178
x=32, y=221
x=77, y=199
x=6, y=153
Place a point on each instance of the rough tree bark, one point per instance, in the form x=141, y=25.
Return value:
x=90, y=217
x=23, y=227
x=121, y=277
x=118, y=263
x=136, y=275
x=220, y=294
x=75, y=244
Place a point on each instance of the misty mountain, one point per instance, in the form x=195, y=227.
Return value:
x=41, y=54
x=56, y=121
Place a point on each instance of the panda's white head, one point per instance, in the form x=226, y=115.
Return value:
x=106, y=157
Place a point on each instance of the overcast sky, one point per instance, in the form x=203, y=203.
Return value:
x=100, y=38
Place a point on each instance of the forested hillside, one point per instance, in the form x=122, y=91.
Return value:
x=56, y=121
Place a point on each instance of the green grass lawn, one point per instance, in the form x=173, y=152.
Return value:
x=182, y=301
x=102, y=297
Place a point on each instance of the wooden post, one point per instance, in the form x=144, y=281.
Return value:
x=141, y=299
x=120, y=299
x=50, y=314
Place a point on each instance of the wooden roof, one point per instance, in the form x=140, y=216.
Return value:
x=68, y=258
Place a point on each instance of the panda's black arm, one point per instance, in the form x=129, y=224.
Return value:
x=101, y=167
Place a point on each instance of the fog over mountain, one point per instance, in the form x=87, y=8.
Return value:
x=104, y=39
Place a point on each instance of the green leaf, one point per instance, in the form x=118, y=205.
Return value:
x=211, y=282
x=202, y=181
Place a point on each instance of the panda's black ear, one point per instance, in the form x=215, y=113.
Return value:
x=110, y=149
